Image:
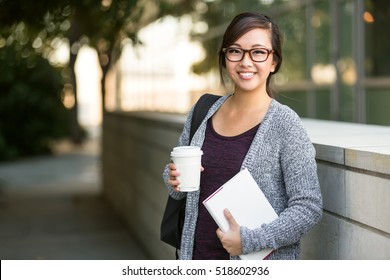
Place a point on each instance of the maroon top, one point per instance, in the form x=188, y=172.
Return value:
x=222, y=159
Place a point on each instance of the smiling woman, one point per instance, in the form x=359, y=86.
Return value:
x=247, y=73
x=249, y=129
x=271, y=43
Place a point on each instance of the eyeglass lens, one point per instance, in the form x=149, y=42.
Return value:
x=257, y=55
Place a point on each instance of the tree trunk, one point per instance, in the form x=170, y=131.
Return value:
x=75, y=129
x=103, y=85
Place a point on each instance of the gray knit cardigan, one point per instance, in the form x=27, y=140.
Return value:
x=281, y=159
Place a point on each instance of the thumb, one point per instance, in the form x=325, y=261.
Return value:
x=229, y=217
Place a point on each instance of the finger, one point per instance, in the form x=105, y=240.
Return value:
x=173, y=182
x=173, y=174
x=229, y=217
x=201, y=168
x=172, y=166
x=220, y=233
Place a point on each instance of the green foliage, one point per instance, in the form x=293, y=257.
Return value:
x=31, y=111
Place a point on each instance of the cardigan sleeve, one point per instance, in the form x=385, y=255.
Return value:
x=303, y=201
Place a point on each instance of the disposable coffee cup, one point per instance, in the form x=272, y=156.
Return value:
x=188, y=163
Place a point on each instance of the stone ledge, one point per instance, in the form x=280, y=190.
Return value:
x=354, y=195
x=355, y=145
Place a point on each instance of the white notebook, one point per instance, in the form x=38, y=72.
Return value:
x=247, y=203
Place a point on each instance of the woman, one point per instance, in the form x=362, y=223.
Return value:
x=249, y=129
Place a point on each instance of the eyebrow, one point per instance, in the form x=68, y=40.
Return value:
x=253, y=46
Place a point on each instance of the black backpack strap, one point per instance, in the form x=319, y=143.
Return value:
x=200, y=111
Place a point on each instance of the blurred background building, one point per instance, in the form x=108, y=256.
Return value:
x=68, y=66
x=335, y=67
x=162, y=55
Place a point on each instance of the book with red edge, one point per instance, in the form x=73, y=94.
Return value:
x=246, y=202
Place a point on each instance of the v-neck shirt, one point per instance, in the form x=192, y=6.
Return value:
x=222, y=159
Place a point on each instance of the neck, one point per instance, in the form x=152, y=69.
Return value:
x=250, y=100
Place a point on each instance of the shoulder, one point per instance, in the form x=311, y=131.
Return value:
x=284, y=119
x=285, y=113
x=288, y=128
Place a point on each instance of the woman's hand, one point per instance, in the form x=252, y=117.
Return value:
x=231, y=240
x=173, y=174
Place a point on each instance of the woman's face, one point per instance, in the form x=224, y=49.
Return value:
x=248, y=75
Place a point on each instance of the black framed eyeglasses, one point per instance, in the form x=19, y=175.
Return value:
x=256, y=54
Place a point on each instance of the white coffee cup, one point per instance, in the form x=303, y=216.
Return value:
x=188, y=163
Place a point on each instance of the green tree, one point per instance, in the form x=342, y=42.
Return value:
x=32, y=28
x=31, y=111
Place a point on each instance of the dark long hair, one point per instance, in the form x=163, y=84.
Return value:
x=240, y=25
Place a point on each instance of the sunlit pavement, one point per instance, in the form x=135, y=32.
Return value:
x=51, y=208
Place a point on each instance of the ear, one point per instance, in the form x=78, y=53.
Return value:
x=273, y=65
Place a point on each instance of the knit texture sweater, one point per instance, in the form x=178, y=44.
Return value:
x=281, y=159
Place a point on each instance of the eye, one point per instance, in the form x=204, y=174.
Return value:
x=259, y=51
x=234, y=51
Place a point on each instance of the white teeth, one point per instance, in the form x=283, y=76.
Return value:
x=247, y=75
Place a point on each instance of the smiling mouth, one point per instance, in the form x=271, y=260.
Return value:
x=246, y=75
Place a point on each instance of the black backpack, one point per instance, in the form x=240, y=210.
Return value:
x=173, y=219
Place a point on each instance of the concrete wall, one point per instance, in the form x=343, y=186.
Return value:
x=353, y=168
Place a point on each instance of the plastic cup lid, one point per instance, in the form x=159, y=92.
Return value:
x=186, y=151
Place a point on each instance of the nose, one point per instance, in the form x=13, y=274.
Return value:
x=246, y=60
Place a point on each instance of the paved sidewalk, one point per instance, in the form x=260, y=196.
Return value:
x=51, y=208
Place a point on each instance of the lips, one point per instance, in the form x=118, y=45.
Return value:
x=246, y=75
